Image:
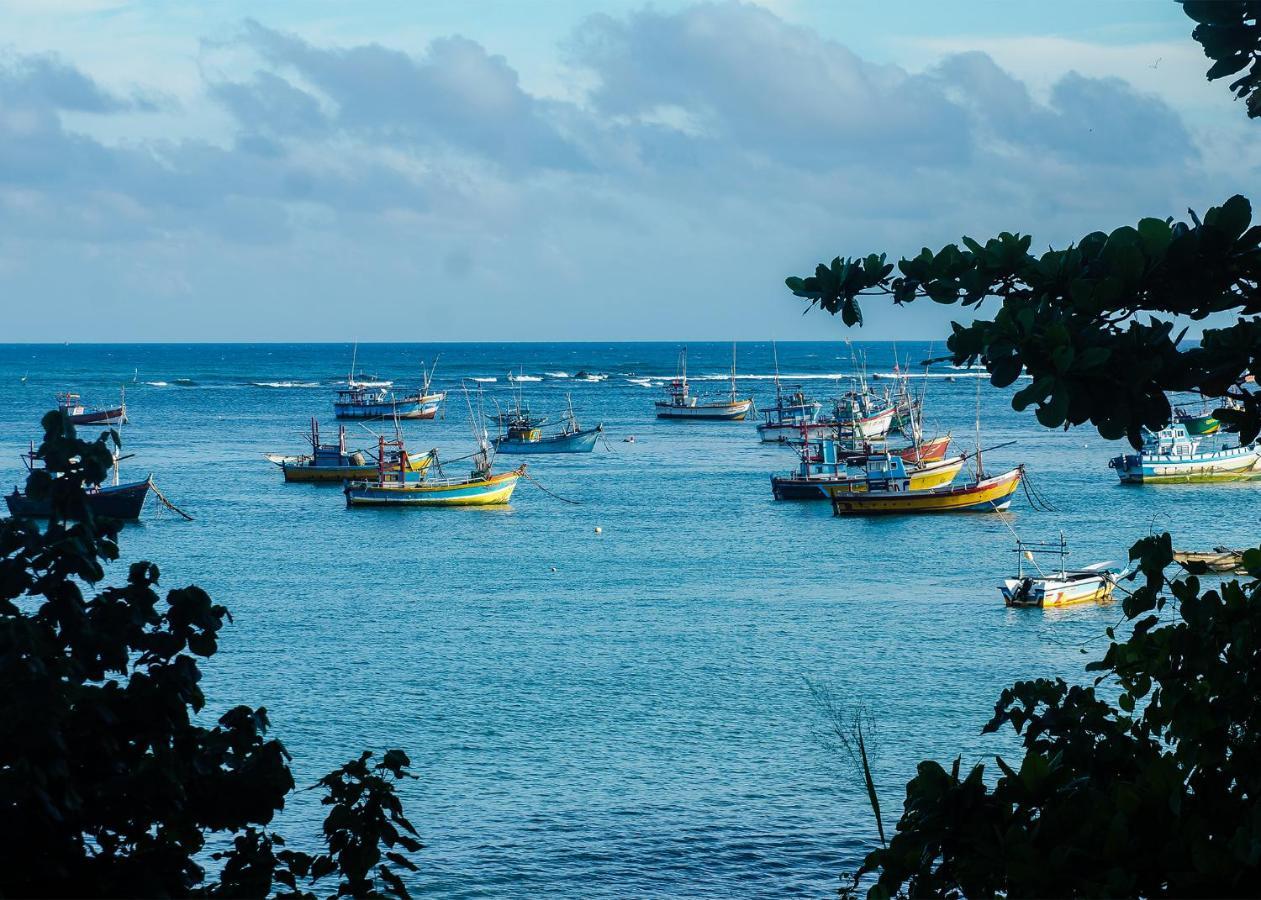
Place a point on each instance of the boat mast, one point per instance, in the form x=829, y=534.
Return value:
x=779, y=401
x=980, y=469
x=733, y=371
x=354, y=355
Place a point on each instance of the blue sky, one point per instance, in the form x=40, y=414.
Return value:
x=564, y=170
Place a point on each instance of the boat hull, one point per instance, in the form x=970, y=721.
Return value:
x=1236, y=464
x=372, y=411
x=577, y=442
x=103, y=417
x=990, y=495
x=124, y=501
x=1054, y=593
x=493, y=491
x=716, y=412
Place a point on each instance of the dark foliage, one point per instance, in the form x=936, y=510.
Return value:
x=1230, y=33
x=108, y=784
x=1070, y=318
x=1153, y=795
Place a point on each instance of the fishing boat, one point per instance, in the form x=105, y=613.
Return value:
x=681, y=404
x=115, y=501
x=1174, y=455
x=824, y=469
x=333, y=462
x=1221, y=560
x=361, y=400
x=978, y=495
x=981, y=494
x=524, y=435
x=784, y=421
x=1198, y=425
x=393, y=486
x=71, y=404
x=863, y=412
x=1059, y=587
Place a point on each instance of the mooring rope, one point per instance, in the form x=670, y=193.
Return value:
x=1037, y=500
x=167, y=503
x=528, y=478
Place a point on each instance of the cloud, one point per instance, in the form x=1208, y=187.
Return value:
x=740, y=74
x=1087, y=120
x=716, y=139
x=453, y=95
x=46, y=82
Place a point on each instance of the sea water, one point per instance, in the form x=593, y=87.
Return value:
x=609, y=696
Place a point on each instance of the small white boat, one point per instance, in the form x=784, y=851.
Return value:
x=1058, y=588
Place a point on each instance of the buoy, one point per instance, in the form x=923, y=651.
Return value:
x=599, y=530
x=553, y=568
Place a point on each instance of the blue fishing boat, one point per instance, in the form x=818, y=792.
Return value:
x=524, y=435
x=830, y=463
x=1174, y=455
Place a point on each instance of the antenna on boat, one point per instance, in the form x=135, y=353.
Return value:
x=354, y=356
x=733, y=371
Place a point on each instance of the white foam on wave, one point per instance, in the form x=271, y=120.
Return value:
x=285, y=384
x=157, y=384
x=557, y=374
x=484, y=380
x=524, y=378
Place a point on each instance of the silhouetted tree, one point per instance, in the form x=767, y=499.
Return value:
x=108, y=784
x=1157, y=793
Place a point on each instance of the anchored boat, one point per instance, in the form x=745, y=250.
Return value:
x=785, y=421
x=333, y=462
x=1221, y=560
x=395, y=486
x=1173, y=455
x=826, y=463
x=525, y=435
x=681, y=404
x=115, y=501
x=979, y=495
x=1058, y=588
x=78, y=414
x=366, y=401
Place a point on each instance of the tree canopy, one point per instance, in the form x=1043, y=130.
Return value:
x=109, y=783
x=1071, y=318
x=1144, y=782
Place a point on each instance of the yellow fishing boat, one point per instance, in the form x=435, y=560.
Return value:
x=333, y=462
x=982, y=495
x=884, y=470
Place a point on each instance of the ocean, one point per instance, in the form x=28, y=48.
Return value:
x=616, y=713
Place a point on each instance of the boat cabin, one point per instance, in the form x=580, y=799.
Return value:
x=1173, y=440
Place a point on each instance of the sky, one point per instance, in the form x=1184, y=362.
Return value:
x=501, y=170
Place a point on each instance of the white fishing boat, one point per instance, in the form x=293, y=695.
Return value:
x=1174, y=455
x=1059, y=587
x=680, y=403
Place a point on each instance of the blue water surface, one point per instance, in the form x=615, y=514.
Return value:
x=623, y=713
